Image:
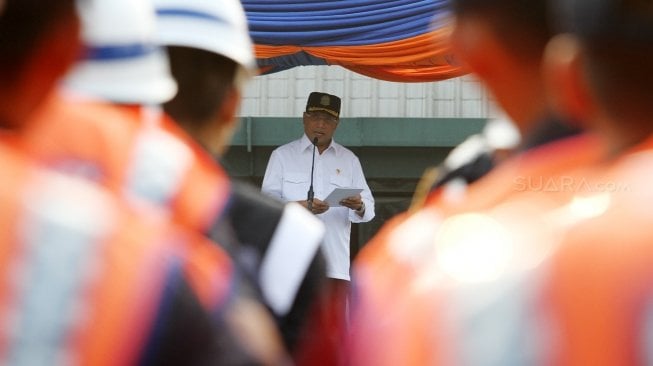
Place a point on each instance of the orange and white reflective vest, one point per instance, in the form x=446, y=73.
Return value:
x=136, y=151
x=83, y=280
x=544, y=278
x=538, y=170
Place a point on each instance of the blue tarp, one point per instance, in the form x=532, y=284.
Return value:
x=353, y=34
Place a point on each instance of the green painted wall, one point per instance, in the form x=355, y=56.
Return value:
x=377, y=132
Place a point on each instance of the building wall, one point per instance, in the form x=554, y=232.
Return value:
x=284, y=94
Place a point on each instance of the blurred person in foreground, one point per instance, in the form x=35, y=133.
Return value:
x=25, y=80
x=107, y=125
x=502, y=42
x=549, y=277
x=105, y=122
x=484, y=36
x=83, y=279
x=278, y=245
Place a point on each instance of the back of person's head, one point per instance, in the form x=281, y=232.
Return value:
x=210, y=51
x=617, y=41
x=39, y=40
x=22, y=24
x=204, y=80
x=121, y=61
x=522, y=24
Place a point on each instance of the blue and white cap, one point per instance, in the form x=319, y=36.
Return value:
x=122, y=62
x=218, y=26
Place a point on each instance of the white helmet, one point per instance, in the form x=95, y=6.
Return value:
x=123, y=63
x=218, y=26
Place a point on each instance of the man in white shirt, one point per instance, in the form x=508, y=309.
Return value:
x=288, y=177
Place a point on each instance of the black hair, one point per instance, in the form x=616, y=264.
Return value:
x=22, y=24
x=204, y=78
x=522, y=24
x=618, y=40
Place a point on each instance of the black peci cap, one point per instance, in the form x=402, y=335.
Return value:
x=324, y=102
x=606, y=20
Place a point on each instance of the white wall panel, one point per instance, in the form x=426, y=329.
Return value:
x=284, y=95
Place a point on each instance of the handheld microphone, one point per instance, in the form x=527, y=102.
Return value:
x=309, y=200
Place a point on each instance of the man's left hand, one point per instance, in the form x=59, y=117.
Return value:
x=354, y=202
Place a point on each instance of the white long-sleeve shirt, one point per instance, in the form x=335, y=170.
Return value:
x=288, y=177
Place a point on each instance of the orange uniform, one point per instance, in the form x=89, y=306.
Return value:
x=541, y=169
x=84, y=281
x=559, y=277
x=136, y=151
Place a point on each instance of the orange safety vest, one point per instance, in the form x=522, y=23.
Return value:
x=538, y=169
x=135, y=151
x=601, y=283
x=83, y=280
x=529, y=171
x=393, y=257
x=576, y=288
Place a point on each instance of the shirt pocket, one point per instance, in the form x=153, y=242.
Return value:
x=295, y=185
x=340, y=181
x=295, y=178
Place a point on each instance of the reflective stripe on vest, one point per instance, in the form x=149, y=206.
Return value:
x=159, y=164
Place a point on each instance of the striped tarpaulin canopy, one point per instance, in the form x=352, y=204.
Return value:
x=395, y=40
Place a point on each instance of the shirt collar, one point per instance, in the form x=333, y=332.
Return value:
x=305, y=143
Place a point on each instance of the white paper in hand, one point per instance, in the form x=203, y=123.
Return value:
x=338, y=194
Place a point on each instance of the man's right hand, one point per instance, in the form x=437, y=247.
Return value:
x=319, y=206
